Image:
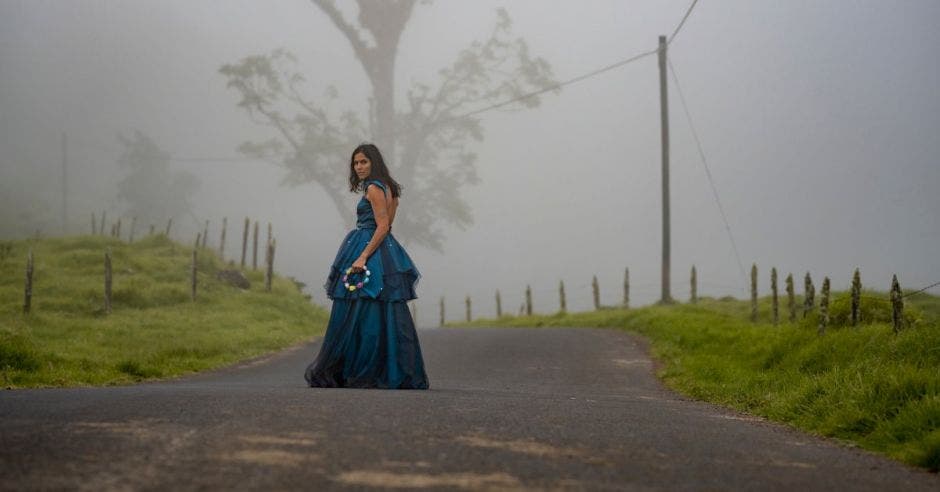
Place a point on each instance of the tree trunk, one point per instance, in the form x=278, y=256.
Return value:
x=385, y=20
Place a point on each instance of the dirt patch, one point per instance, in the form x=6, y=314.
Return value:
x=293, y=440
x=270, y=457
x=139, y=429
x=464, y=480
x=531, y=448
x=630, y=362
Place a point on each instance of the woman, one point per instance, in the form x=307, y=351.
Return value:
x=370, y=341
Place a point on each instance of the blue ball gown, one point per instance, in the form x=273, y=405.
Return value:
x=370, y=340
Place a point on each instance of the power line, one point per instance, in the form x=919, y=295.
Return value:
x=559, y=85
x=585, y=76
x=921, y=290
x=213, y=159
x=687, y=12
x=708, y=173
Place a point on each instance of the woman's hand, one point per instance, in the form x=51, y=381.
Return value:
x=359, y=265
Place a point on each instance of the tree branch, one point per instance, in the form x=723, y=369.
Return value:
x=358, y=44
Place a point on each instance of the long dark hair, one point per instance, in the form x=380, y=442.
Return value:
x=379, y=170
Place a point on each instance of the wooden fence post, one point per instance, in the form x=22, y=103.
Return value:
x=107, y=281
x=596, y=290
x=528, y=300
x=626, y=288
x=151, y=229
x=192, y=273
x=205, y=233
x=442, y=312
x=117, y=232
x=824, y=306
x=561, y=296
x=254, y=248
x=791, y=298
x=272, y=245
x=468, y=309
x=856, y=296
x=245, y=241
x=28, y=295
x=754, y=292
x=94, y=225
x=897, y=305
x=809, y=294
x=104, y=214
x=198, y=239
x=169, y=223
x=499, y=305
x=694, y=286
x=222, y=239
x=774, y=301
x=133, y=228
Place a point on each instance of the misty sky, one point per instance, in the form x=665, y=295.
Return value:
x=819, y=121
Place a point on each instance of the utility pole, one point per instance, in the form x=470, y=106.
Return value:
x=664, y=112
x=65, y=183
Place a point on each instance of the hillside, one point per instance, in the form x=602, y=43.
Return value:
x=154, y=331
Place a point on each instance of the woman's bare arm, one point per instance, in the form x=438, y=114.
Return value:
x=379, y=203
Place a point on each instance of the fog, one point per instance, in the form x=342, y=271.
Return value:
x=819, y=122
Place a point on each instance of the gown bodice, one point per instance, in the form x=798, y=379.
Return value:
x=365, y=216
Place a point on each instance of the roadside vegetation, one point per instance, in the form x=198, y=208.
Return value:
x=155, y=329
x=864, y=385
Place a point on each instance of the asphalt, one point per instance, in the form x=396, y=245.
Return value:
x=508, y=409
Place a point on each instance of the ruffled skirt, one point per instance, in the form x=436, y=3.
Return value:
x=370, y=341
x=369, y=344
x=392, y=274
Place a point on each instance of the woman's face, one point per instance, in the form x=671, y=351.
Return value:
x=362, y=165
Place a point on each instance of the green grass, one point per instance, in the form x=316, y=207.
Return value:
x=154, y=331
x=864, y=385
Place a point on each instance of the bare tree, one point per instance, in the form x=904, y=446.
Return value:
x=428, y=141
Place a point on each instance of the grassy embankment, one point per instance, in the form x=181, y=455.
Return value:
x=864, y=385
x=155, y=330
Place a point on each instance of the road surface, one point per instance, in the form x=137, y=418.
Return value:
x=508, y=409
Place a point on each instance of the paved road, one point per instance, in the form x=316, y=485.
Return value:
x=562, y=409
